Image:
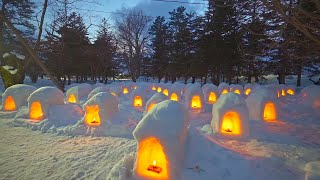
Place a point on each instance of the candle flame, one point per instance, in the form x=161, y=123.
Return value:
x=154, y=163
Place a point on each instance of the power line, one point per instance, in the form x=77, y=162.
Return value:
x=181, y=2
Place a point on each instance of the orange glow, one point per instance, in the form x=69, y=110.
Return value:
x=212, y=98
x=135, y=87
x=165, y=92
x=196, y=102
x=278, y=94
x=137, y=101
x=9, y=104
x=35, y=111
x=247, y=92
x=151, y=154
x=92, y=115
x=125, y=91
x=114, y=94
x=269, y=112
x=231, y=124
x=225, y=91
x=283, y=92
x=72, y=99
x=159, y=89
x=154, y=88
x=317, y=103
x=174, y=97
x=150, y=107
x=237, y=91
x=290, y=91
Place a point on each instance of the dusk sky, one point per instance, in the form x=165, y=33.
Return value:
x=150, y=7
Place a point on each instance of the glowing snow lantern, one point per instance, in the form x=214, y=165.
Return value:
x=160, y=154
x=263, y=105
x=16, y=96
x=247, y=92
x=210, y=92
x=154, y=88
x=174, y=97
x=155, y=99
x=159, y=89
x=238, y=89
x=290, y=90
x=9, y=104
x=125, y=90
x=76, y=93
x=138, y=98
x=40, y=101
x=165, y=92
x=230, y=116
x=175, y=92
x=194, y=99
x=223, y=88
x=100, y=108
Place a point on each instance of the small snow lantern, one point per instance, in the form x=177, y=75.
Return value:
x=40, y=101
x=223, y=88
x=125, y=90
x=291, y=90
x=175, y=93
x=100, y=108
x=76, y=93
x=154, y=88
x=194, y=98
x=236, y=88
x=155, y=99
x=211, y=93
x=138, y=97
x=263, y=105
x=161, y=137
x=159, y=89
x=248, y=88
x=230, y=116
x=16, y=96
x=165, y=91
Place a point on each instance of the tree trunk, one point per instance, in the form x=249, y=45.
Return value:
x=185, y=80
x=299, y=75
x=193, y=79
x=69, y=79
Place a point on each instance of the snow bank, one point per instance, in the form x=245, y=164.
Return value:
x=257, y=102
x=230, y=116
x=164, y=130
x=19, y=93
x=46, y=96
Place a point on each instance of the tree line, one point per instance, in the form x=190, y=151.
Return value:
x=231, y=40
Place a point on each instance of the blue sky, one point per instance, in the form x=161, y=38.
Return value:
x=150, y=7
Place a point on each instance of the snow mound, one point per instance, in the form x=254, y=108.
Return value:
x=194, y=98
x=311, y=96
x=257, y=101
x=19, y=93
x=76, y=93
x=211, y=93
x=223, y=87
x=230, y=116
x=155, y=99
x=46, y=96
x=167, y=123
x=98, y=90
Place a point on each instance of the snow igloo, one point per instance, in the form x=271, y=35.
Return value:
x=138, y=98
x=248, y=88
x=100, y=108
x=155, y=99
x=40, y=101
x=236, y=88
x=16, y=96
x=161, y=136
x=230, y=116
x=76, y=93
x=263, y=105
x=97, y=90
x=311, y=96
x=211, y=93
x=165, y=89
x=224, y=88
x=194, y=99
x=175, y=93
x=291, y=90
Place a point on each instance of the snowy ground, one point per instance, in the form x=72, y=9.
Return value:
x=274, y=150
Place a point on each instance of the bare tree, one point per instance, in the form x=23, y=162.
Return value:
x=132, y=27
